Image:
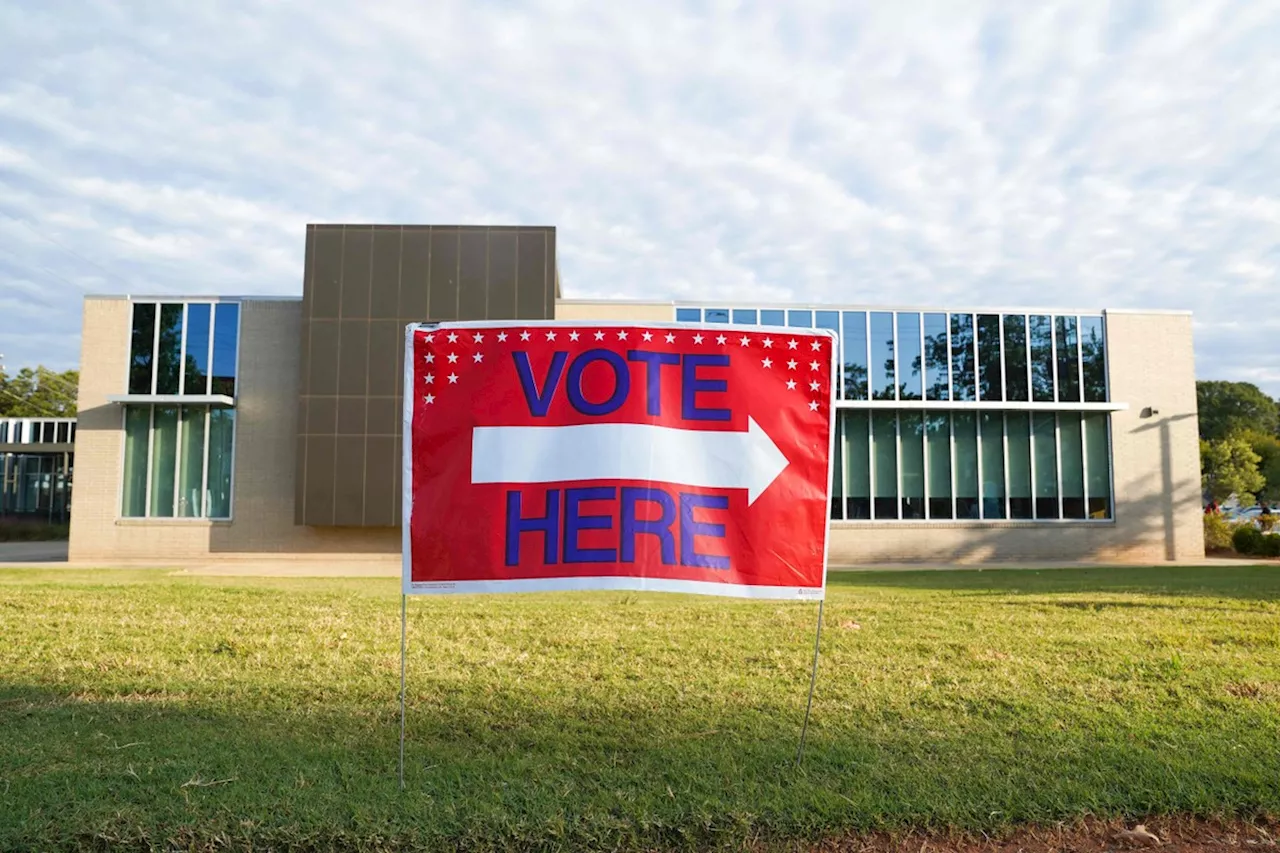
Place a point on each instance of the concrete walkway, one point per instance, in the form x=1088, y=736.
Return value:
x=18, y=554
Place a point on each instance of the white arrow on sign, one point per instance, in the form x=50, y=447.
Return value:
x=724, y=460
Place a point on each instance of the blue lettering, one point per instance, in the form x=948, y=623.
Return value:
x=621, y=380
x=689, y=528
x=660, y=527
x=653, y=375
x=692, y=385
x=575, y=522
x=548, y=525
x=539, y=402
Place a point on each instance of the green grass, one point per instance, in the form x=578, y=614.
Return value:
x=144, y=709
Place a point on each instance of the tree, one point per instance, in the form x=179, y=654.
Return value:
x=1227, y=408
x=1229, y=467
x=1267, y=447
x=39, y=393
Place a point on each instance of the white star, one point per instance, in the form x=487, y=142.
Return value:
x=430, y=378
x=697, y=339
x=648, y=336
x=622, y=334
x=551, y=336
x=453, y=358
x=720, y=339
x=429, y=399
x=767, y=363
x=671, y=339
x=453, y=337
x=813, y=405
x=453, y=379
x=502, y=336
x=573, y=336
x=429, y=338
x=813, y=365
x=599, y=336
x=479, y=337
x=768, y=343
x=744, y=340
x=524, y=336
x=814, y=386
x=816, y=346
x=430, y=357
x=479, y=357
x=791, y=344
x=791, y=385
x=791, y=364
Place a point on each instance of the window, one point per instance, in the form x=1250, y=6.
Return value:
x=744, y=316
x=1093, y=359
x=937, y=381
x=884, y=429
x=184, y=348
x=962, y=357
x=992, y=432
x=177, y=462
x=773, y=318
x=1041, y=337
x=856, y=440
x=989, y=368
x=689, y=315
x=801, y=319
x=884, y=377
x=910, y=369
x=1015, y=357
x=716, y=315
x=855, y=355
x=1065, y=344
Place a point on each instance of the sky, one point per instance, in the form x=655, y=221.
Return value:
x=1066, y=154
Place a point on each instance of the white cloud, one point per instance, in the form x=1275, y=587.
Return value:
x=1064, y=154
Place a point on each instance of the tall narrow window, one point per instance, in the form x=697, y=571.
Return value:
x=1015, y=357
x=938, y=440
x=191, y=463
x=911, y=428
x=1044, y=446
x=992, y=464
x=1093, y=352
x=1066, y=341
x=855, y=428
x=164, y=459
x=142, y=346
x=837, y=474
x=936, y=358
x=910, y=359
x=226, y=338
x=137, y=427
x=1097, y=464
x=855, y=355
x=966, y=433
x=1018, y=432
x=989, y=357
x=1041, y=336
x=884, y=438
x=169, y=355
x=830, y=320
x=196, y=360
x=221, y=433
x=884, y=378
x=1072, y=454
x=962, y=366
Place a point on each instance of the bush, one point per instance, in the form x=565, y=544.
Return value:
x=1270, y=545
x=1267, y=521
x=1248, y=540
x=1217, y=533
x=19, y=530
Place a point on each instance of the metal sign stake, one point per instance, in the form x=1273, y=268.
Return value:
x=813, y=679
x=403, y=635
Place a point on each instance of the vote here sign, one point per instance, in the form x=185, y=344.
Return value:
x=556, y=456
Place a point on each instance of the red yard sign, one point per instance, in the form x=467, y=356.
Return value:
x=670, y=457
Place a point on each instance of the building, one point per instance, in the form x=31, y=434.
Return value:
x=256, y=426
x=36, y=462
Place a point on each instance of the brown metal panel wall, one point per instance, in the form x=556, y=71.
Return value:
x=362, y=285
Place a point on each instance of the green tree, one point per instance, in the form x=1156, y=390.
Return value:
x=1229, y=467
x=1227, y=408
x=1267, y=447
x=39, y=393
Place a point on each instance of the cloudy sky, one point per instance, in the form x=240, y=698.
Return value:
x=1067, y=153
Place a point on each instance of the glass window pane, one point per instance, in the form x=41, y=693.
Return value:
x=61, y=432
x=884, y=438
x=800, y=318
x=938, y=441
x=744, y=316
x=191, y=462
x=137, y=424
x=169, y=357
x=883, y=381
x=855, y=355
x=857, y=449
x=47, y=432
x=911, y=425
x=992, y=464
x=164, y=456
x=717, y=315
x=910, y=378
x=837, y=475
x=773, y=318
x=226, y=334
x=195, y=364
x=962, y=370
x=141, y=347
x=688, y=315
x=1015, y=357
x=989, y=357
x=1044, y=444
x=1018, y=428
x=966, y=433
x=1093, y=348
x=1098, y=465
x=1072, y=454
x=1068, y=365
x=1041, y=337
x=936, y=357
x=221, y=439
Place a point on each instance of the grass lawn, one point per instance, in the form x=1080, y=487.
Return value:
x=143, y=709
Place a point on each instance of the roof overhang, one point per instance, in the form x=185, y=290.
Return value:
x=221, y=401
